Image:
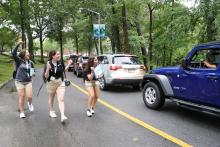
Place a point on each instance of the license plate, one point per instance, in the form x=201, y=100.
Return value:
x=131, y=71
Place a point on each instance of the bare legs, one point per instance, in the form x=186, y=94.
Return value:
x=93, y=96
x=21, y=94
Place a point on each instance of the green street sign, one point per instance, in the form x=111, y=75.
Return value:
x=99, y=30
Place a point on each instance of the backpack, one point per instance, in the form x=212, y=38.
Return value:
x=44, y=70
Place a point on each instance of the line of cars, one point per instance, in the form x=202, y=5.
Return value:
x=119, y=69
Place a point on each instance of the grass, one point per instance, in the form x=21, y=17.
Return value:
x=7, y=67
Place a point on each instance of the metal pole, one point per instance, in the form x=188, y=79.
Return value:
x=99, y=42
x=99, y=32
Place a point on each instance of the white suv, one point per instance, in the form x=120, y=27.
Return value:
x=121, y=69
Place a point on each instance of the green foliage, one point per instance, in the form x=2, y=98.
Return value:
x=6, y=68
x=175, y=28
x=7, y=38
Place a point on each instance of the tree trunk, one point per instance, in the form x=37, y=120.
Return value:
x=61, y=37
x=115, y=34
x=2, y=49
x=143, y=51
x=30, y=41
x=77, y=43
x=41, y=47
x=150, y=35
x=210, y=22
x=171, y=46
x=89, y=45
x=125, y=28
x=117, y=41
x=61, y=43
x=101, y=49
x=21, y=2
x=113, y=42
x=96, y=47
x=164, y=57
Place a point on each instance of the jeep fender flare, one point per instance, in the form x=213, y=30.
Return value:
x=163, y=82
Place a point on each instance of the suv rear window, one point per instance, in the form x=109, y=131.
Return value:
x=131, y=60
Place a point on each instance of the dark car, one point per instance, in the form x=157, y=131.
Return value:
x=74, y=59
x=194, y=84
x=80, y=65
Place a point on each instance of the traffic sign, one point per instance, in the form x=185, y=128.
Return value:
x=99, y=30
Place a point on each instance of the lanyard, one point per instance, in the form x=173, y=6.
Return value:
x=55, y=67
x=27, y=65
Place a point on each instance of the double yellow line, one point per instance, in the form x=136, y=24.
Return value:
x=137, y=121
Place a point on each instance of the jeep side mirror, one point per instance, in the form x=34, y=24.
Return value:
x=184, y=63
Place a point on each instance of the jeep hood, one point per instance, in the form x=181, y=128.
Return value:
x=165, y=70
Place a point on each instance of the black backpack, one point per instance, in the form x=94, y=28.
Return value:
x=44, y=70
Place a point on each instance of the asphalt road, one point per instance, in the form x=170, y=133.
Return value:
x=107, y=128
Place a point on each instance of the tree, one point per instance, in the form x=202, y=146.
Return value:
x=41, y=17
x=8, y=38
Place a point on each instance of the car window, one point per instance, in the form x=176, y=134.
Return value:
x=84, y=59
x=131, y=60
x=210, y=56
x=100, y=58
x=103, y=59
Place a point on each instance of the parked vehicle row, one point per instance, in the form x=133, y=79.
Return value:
x=194, y=84
x=119, y=69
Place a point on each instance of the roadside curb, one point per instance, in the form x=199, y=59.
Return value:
x=7, y=83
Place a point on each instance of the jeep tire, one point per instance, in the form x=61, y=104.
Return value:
x=153, y=96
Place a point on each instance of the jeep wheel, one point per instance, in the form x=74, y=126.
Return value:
x=153, y=96
x=102, y=83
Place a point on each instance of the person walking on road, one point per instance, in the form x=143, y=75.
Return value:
x=55, y=82
x=92, y=85
x=22, y=75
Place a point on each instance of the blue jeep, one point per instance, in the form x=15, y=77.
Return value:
x=195, y=84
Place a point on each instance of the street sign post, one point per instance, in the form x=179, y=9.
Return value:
x=99, y=30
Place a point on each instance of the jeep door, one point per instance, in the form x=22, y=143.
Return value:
x=202, y=84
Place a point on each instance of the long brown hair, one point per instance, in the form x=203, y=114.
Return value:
x=90, y=64
x=22, y=54
x=51, y=54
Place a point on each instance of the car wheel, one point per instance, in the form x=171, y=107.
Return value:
x=153, y=96
x=102, y=83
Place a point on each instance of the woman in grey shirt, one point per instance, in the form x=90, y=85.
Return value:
x=22, y=76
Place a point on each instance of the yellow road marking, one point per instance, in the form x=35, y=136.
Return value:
x=139, y=122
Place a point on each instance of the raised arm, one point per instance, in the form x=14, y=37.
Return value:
x=14, y=52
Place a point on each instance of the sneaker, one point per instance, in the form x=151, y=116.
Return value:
x=92, y=111
x=22, y=115
x=30, y=106
x=89, y=114
x=63, y=118
x=52, y=114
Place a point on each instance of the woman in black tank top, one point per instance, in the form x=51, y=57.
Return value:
x=92, y=85
x=55, y=84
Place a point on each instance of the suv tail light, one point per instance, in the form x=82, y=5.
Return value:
x=115, y=67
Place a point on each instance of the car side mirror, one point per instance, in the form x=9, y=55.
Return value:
x=184, y=63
